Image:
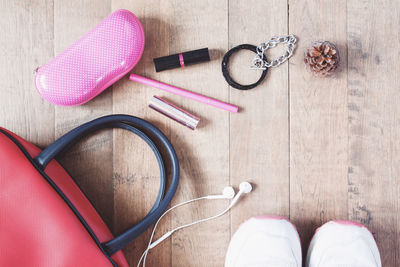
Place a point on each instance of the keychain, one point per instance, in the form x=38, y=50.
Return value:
x=260, y=60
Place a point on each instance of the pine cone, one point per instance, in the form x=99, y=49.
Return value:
x=322, y=58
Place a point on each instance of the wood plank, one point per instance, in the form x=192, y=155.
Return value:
x=26, y=42
x=259, y=146
x=90, y=161
x=203, y=153
x=135, y=167
x=373, y=96
x=318, y=120
x=315, y=149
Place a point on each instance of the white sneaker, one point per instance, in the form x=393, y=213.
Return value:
x=265, y=241
x=343, y=244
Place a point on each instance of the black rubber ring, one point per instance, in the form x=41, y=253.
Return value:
x=225, y=71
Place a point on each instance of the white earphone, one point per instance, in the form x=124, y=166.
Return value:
x=244, y=188
x=227, y=193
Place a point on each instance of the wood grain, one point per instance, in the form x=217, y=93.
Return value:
x=259, y=141
x=318, y=121
x=26, y=42
x=89, y=161
x=203, y=171
x=136, y=174
x=315, y=149
x=373, y=104
x=204, y=153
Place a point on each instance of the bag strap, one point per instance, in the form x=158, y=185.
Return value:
x=132, y=124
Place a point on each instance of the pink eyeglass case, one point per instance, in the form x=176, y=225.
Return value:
x=94, y=62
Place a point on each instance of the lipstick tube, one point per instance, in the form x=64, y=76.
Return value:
x=182, y=59
x=177, y=114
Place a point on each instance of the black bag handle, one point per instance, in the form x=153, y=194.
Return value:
x=132, y=124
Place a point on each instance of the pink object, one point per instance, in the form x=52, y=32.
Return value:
x=353, y=223
x=350, y=223
x=181, y=61
x=173, y=112
x=277, y=217
x=94, y=62
x=344, y=222
x=184, y=93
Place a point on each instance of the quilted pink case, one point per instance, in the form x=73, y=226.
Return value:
x=94, y=62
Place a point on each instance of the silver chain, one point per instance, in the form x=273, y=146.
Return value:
x=259, y=62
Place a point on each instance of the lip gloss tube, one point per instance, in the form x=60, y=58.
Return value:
x=177, y=114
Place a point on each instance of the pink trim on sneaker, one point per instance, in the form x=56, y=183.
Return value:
x=342, y=222
x=272, y=217
x=352, y=223
x=277, y=217
x=298, y=248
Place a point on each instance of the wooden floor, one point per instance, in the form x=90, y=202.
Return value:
x=315, y=149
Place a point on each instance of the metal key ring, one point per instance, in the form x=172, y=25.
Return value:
x=225, y=71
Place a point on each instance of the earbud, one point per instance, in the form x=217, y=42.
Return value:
x=245, y=187
x=227, y=193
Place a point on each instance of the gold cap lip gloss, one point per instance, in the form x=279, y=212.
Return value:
x=177, y=114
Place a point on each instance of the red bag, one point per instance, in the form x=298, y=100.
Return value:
x=45, y=220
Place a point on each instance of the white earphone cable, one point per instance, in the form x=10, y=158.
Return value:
x=144, y=255
x=169, y=233
x=202, y=220
x=152, y=245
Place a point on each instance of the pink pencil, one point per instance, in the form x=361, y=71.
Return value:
x=184, y=93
